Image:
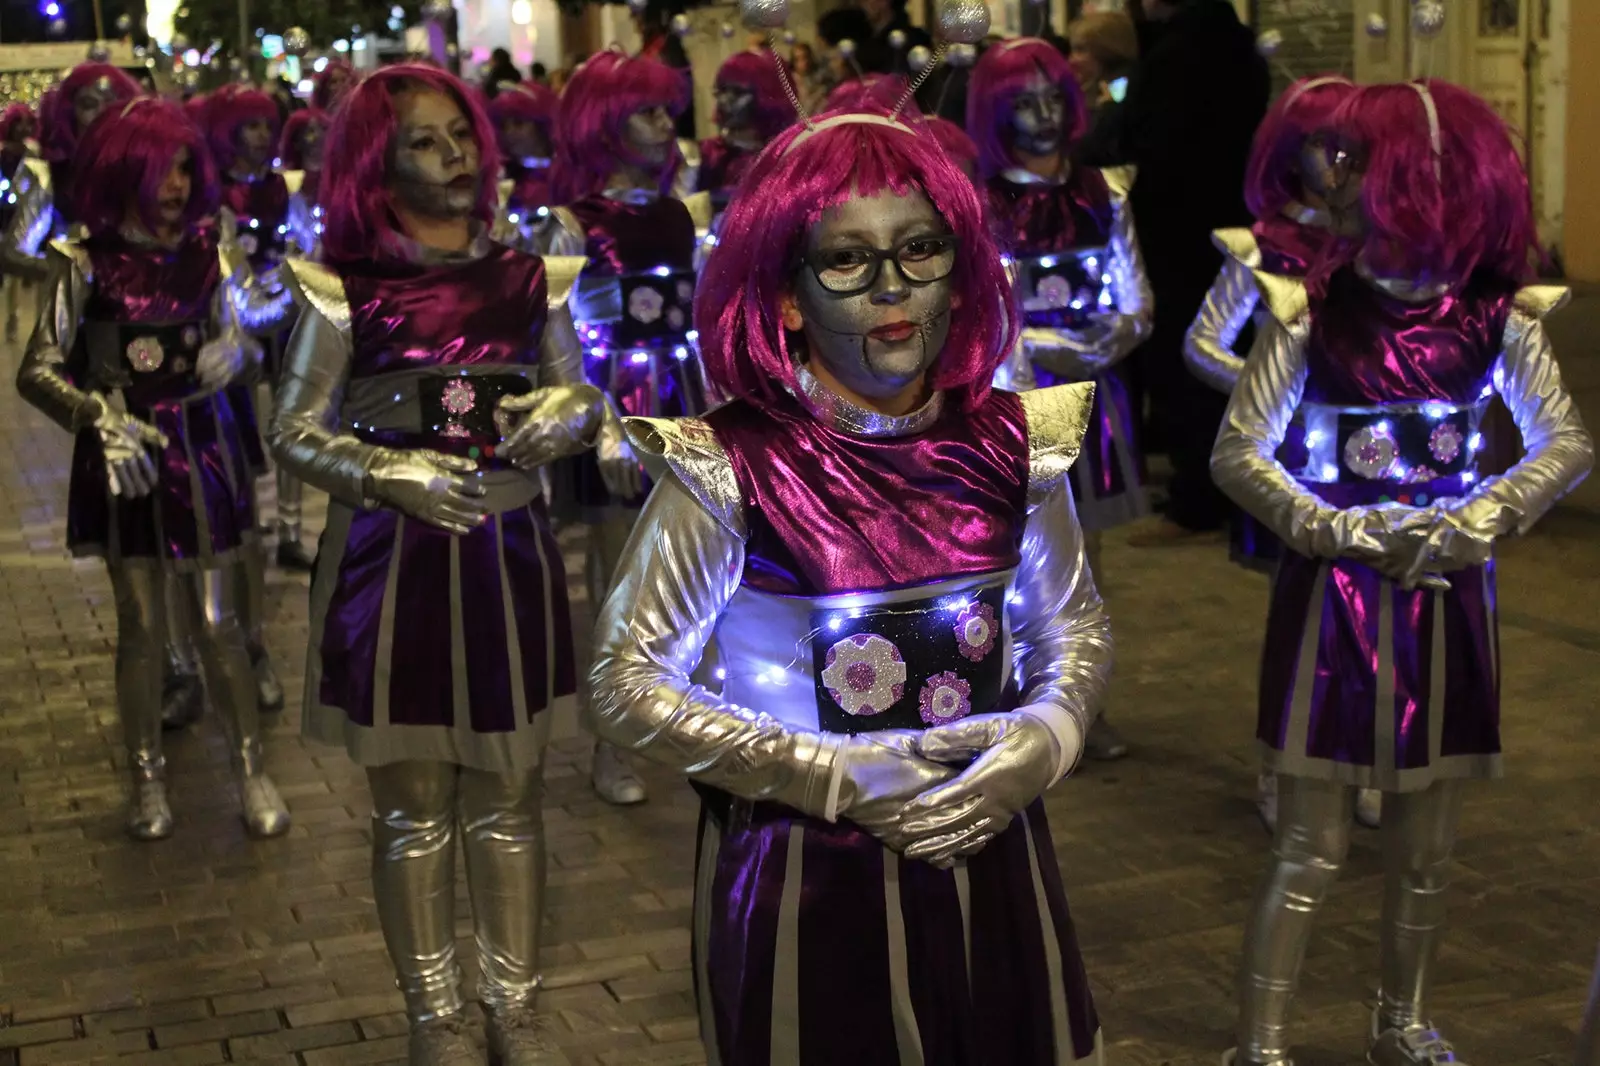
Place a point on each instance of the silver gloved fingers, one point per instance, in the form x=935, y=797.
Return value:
x=957, y=810
x=944, y=850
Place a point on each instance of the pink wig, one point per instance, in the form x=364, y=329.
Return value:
x=1438, y=215
x=322, y=84
x=528, y=101
x=13, y=114
x=1272, y=178
x=954, y=140
x=591, y=123
x=756, y=72
x=736, y=308
x=358, y=221
x=61, y=128
x=289, y=143
x=998, y=79
x=133, y=146
x=873, y=92
x=228, y=109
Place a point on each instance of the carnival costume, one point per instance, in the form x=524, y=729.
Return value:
x=136, y=344
x=524, y=117
x=887, y=598
x=1381, y=666
x=422, y=391
x=16, y=132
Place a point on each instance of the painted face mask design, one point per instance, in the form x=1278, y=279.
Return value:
x=434, y=162
x=874, y=291
x=736, y=106
x=1037, y=116
x=649, y=135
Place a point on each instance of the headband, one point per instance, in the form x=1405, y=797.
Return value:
x=849, y=118
x=1435, y=138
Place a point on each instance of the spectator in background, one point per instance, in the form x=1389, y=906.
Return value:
x=1103, y=51
x=809, y=82
x=884, y=17
x=842, y=24
x=500, y=71
x=1192, y=108
x=654, y=25
x=538, y=74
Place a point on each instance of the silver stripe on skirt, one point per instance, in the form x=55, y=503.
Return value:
x=785, y=1034
x=380, y=669
x=1060, y=1024
x=964, y=899
x=907, y=1039
x=705, y=879
x=1437, y=679
x=1383, y=739
x=1297, y=735
x=460, y=691
x=519, y=697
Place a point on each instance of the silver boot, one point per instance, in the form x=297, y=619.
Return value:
x=520, y=1036
x=269, y=690
x=183, y=700
x=1369, y=807
x=264, y=812
x=1267, y=800
x=442, y=1042
x=149, y=816
x=614, y=780
x=1416, y=1045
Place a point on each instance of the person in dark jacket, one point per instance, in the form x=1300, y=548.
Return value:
x=877, y=55
x=1192, y=107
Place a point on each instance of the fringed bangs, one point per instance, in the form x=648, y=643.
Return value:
x=1001, y=75
x=133, y=146
x=592, y=120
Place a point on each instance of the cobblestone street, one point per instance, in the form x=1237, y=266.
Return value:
x=211, y=948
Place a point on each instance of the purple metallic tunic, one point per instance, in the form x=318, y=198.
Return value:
x=1363, y=681
x=261, y=206
x=722, y=167
x=201, y=509
x=411, y=625
x=1046, y=229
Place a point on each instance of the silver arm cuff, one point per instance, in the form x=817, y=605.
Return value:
x=42, y=379
x=675, y=578
x=1136, y=302
x=1208, y=346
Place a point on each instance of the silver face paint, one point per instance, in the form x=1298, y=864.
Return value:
x=736, y=106
x=433, y=167
x=255, y=142
x=312, y=138
x=88, y=102
x=879, y=341
x=522, y=139
x=1037, y=115
x=649, y=134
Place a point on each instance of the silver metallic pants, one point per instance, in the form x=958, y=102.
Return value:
x=209, y=601
x=1313, y=835
x=418, y=810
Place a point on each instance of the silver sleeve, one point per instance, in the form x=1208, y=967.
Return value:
x=305, y=434
x=1558, y=449
x=42, y=379
x=1208, y=346
x=1243, y=463
x=678, y=572
x=1058, y=623
x=1136, y=303
x=561, y=234
x=263, y=304
x=560, y=352
x=22, y=252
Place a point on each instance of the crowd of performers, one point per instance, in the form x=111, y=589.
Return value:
x=837, y=398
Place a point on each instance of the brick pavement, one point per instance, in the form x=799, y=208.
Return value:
x=212, y=948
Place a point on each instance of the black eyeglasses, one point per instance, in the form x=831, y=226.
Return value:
x=847, y=271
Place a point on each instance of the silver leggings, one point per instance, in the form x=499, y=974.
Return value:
x=1313, y=836
x=209, y=600
x=418, y=809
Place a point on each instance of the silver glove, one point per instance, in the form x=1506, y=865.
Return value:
x=619, y=467
x=547, y=424
x=427, y=485
x=1015, y=758
x=880, y=774
x=126, y=442
x=1076, y=354
x=225, y=358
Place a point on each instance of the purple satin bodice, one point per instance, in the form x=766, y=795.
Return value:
x=829, y=512
x=148, y=283
x=1367, y=347
x=1039, y=218
x=530, y=186
x=722, y=167
x=632, y=238
x=1288, y=247
x=262, y=207
x=481, y=312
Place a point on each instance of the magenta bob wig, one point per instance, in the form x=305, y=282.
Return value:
x=756, y=72
x=591, y=123
x=747, y=352
x=226, y=112
x=322, y=87
x=1305, y=109
x=528, y=101
x=61, y=130
x=289, y=143
x=358, y=221
x=133, y=146
x=13, y=114
x=954, y=140
x=1438, y=215
x=1000, y=76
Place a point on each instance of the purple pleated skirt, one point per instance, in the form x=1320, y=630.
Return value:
x=243, y=398
x=1365, y=683
x=1108, y=480
x=816, y=946
x=427, y=645
x=202, y=509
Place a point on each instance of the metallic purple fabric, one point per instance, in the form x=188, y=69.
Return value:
x=206, y=439
x=488, y=312
x=829, y=512
x=485, y=312
x=722, y=167
x=1367, y=347
x=1104, y=443
x=1036, y=219
x=262, y=208
x=1289, y=247
x=997, y=1010
x=629, y=238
